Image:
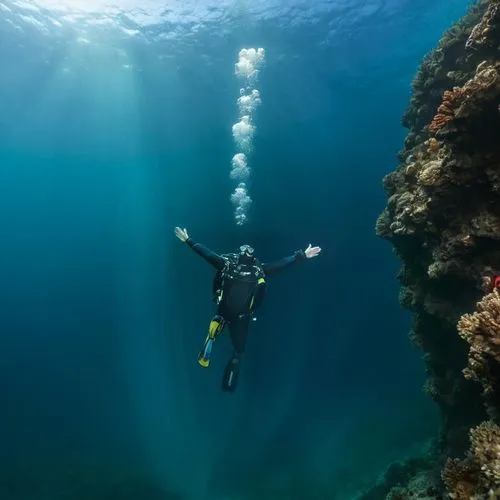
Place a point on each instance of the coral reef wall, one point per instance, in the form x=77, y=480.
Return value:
x=443, y=220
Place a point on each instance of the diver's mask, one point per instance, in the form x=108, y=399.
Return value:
x=246, y=255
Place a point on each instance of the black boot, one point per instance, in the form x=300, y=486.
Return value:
x=230, y=380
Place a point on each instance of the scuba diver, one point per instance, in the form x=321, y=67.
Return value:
x=238, y=290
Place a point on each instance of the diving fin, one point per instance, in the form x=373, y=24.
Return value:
x=230, y=379
x=215, y=327
x=206, y=352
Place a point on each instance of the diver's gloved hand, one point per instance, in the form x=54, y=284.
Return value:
x=182, y=234
x=311, y=252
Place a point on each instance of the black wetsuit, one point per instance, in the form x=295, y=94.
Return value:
x=236, y=295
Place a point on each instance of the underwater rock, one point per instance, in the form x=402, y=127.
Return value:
x=443, y=219
x=417, y=476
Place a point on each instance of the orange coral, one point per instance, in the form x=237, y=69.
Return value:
x=445, y=110
x=467, y=100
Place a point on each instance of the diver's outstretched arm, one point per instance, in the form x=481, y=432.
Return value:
x=277, y=265
x=211, y=257
x=299, y=255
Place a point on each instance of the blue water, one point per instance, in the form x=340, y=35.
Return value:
x=115, y=126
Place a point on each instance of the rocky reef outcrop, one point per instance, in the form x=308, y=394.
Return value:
x=443, y=220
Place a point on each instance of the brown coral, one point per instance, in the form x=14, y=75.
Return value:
x=482, y=332
x=460, y=478
x=481, y=33
x=485, y=447
x=464, y=101
x=478, y=474
x=432, y=145
x=486, y=224
x=432, y=174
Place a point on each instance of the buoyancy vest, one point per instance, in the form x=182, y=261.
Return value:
x=250, y=277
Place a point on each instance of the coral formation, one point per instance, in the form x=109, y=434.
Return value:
x=482, y=332
x=446, y=66
x=478, y=475
x=483, y=34
x=472, y=99
x=443, y=219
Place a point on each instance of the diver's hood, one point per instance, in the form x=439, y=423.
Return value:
x=246, y=259
x=246, y=255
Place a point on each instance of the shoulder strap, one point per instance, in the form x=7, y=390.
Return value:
x=230, y=259
x=231, y=266
x=259, y=267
